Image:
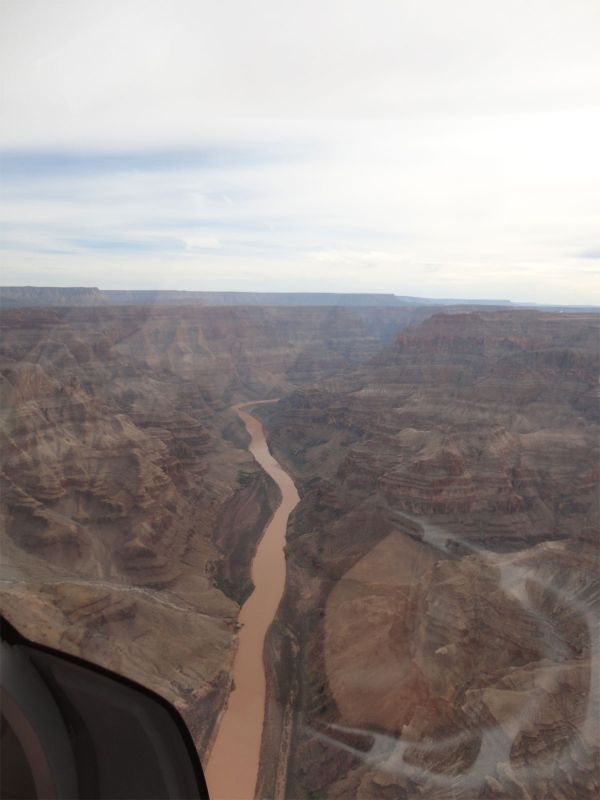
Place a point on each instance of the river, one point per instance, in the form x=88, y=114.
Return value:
x=232, y=767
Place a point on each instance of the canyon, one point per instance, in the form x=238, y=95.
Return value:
x=443, y=582
x=131, y=507
x=436, y=635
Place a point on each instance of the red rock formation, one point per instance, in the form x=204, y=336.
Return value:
x=448, y=531
x=130, y=507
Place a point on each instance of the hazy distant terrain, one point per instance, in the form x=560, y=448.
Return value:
x=26, y=296
x=437, y=630
x=42, y=296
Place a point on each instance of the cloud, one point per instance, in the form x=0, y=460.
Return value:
x=364, y=259
x=31, y=164
x=162, y=245
x=198, y=242
x=129, y=70
x=407, y=147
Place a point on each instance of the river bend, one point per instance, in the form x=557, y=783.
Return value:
x=232, y=767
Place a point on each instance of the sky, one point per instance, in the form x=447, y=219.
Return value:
x=420, y=147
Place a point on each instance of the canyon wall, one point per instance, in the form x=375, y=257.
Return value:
x=438, y=635
x=130, y=507
x=32, y=296
x=36, y=296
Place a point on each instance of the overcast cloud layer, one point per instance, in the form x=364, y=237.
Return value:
x=427, y=148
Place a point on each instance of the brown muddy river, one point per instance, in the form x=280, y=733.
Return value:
x=232, y=767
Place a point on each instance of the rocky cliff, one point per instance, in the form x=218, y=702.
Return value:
x=36, y=296
x=436, y=638
x=130, y=507
x=443, y=582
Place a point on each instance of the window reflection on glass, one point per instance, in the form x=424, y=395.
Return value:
x=299, y=360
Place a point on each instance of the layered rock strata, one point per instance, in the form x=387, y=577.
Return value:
x=438, y=635
x=130, y=507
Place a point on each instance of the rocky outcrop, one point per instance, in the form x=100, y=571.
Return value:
x=130, y=507
x=436, y=635
x=442, y=565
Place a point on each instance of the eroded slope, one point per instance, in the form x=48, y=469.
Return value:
x=130, y=507
x=443, y=566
